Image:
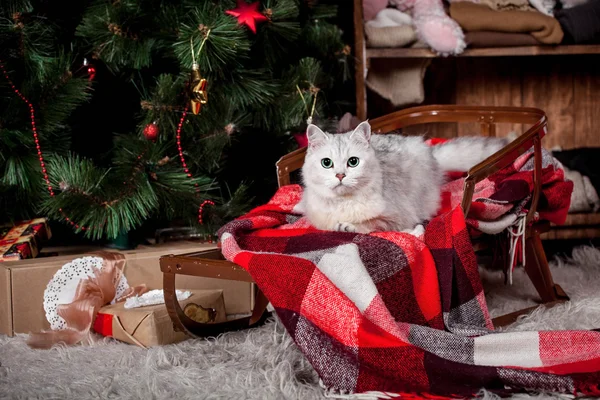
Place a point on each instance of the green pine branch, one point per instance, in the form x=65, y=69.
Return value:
x=218, y=42
x=276, y=37
x=322, y=11
x=22, y=172
x=142, y=182
x=246, y=87
x=12, y=6
x=264, y=84
x=13, y=141
x=206, y=153
x=60, y=93
x=305, y=96
x=27, y=38
x=121, y=33
x=323, y=38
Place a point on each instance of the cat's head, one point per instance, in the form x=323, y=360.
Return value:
x=339, y=164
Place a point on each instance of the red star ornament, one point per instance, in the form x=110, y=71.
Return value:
x=247, y=14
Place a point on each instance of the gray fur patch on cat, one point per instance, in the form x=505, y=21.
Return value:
x=358, y=182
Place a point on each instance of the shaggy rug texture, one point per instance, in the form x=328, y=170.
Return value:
x=262, y=363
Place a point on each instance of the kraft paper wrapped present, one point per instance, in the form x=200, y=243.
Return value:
x=24, y=239
x=149, y=326
x=23, y=282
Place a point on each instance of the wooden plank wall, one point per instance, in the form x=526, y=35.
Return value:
x=566, y=87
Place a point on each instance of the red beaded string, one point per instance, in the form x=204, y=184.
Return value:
x=201, y=209
x=33, y=128
x=43, y=164
x=185, y=167
x=178, y=137
x=37, y=142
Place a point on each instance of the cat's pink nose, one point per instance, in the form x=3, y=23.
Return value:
x=340, y=176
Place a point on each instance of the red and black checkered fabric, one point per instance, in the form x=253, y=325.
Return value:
x=392, y=312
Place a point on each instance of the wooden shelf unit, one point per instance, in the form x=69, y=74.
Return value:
x=562, y=80
x=363, y=55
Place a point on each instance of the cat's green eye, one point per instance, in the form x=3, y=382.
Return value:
x=353, y=162
x=327, y=163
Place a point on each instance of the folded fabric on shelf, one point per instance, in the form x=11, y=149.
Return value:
x=581, y=24
x=399, y=81
x=390, y=28
x=504, y=5
x=499, y=39
x=372, y=7
x=390, y=17
x=585, y=160
x=584, y=197
x=477, y=17
x=544, y=6
x=572, y=3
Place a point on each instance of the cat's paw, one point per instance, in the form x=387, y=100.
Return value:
x=344, y=227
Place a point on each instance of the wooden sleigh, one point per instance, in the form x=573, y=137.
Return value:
x=211, y=263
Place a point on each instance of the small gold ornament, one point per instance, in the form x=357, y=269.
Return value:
x=198, y=94
x=200, y=314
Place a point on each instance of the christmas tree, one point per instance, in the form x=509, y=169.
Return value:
x=117, y=112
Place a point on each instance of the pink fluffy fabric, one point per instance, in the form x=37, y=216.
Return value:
x=434, y=26
x=372, y=7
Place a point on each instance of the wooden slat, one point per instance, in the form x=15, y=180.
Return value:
x=488, y=82
x=507, y=90
x=577, y=226
x=360, y=60
x=440, y=88
x=586, y=90
x=579, y=232
x=488, y=52
x=549, y=86
x=583, y=219
x=470, y=91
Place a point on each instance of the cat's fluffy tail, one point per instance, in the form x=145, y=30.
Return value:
x=460, y=154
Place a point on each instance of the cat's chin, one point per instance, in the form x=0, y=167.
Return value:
x=342, y=190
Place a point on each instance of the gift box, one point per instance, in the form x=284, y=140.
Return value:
x=23, y=282
x=23, y=240
x=150, y=326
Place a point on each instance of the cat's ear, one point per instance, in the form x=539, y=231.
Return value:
x=362, y=133
x=315, y=136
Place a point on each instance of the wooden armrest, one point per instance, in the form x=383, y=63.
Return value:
x=487, y=117
x=506, y=156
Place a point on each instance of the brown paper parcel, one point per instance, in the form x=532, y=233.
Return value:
x=22, y=284
x=151, y=326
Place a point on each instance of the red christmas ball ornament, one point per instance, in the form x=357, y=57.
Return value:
x=151, y=131
x=91, y=70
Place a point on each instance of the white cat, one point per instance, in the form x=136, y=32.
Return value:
x=356, y=182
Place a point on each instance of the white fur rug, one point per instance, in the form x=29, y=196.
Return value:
x=263, y=363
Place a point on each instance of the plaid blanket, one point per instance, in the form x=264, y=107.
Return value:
x=389, y=312
x=501, y=200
